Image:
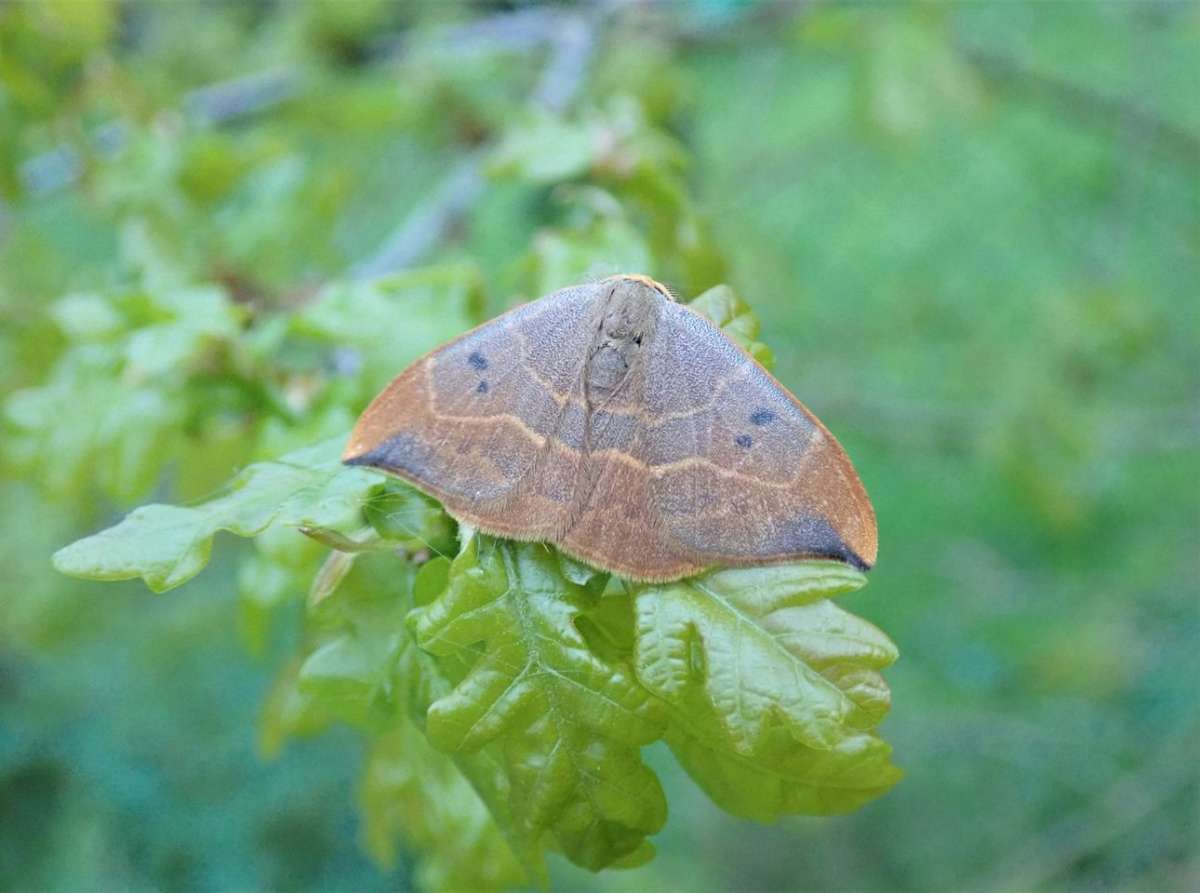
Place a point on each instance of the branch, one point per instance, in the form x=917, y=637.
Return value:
x=252, y=94
x=242, y=96
x=518, y=31
x=429, y=222
x=572, y=39
x=1096, y=108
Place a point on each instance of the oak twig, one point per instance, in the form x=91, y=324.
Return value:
x=572, y=39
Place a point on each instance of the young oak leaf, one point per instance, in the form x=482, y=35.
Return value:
x=565, y=725
x=353, y=669
x=716, y=646
x=379, y=325
x=362, y=663
x=361, y=666
x=167, y=545
x=784, y=777
x=750, y=645
x=845, y=649
x=410, y=791
x=733, y=316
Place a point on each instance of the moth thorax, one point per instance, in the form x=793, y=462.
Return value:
x=625, y=329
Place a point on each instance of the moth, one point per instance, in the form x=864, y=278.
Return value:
x=627, y=430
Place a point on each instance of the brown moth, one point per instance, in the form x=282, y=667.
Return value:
x=627, y=430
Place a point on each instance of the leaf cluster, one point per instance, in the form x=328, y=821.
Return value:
x=506, y=693
x=158, y=372
x=510, y=690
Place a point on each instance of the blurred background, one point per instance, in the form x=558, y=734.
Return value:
x=972, y=232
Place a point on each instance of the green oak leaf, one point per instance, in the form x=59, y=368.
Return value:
x=772, y=689
x=565, y=724
x=191, y=319
x=734, y=317
x=352, y=670
x=783, y=777
x=412, y=792
x=89, y=426
x=404, y=517
x=387, y=322
x=356, y=661
x=562, y=257
x=110, y=414
x=750, y=644
x=545, y=148
x=361, y=666
x=167, y=545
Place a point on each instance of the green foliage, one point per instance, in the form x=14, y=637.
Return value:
x=540, y=678
x=969, y=231
x=168, y=545
x=772, y=688
x=562, y=724
x=153, y=374
x=155, y=345
x=722, y=305
x=413, y=793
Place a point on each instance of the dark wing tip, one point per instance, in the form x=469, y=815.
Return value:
x=402, y=454
x=377, y=457
x=838, y=550
x=356, y=453
x=853, y=559
x=814, y=536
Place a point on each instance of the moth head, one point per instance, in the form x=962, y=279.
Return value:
x=632, y=309
x=629, y=316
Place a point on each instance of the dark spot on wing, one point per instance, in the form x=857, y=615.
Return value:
x=482, y=388
x=478, y=361
x=762, y=417
x=745, y=441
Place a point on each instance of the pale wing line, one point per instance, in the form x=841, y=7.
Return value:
x=461, y=399
x=668, y=527
x=745, y=454
x=549, y=441
x=561, y=399
x=611, y=453
x=722, y=384
x=510, y=326
x=583, y=499
x=657, y=472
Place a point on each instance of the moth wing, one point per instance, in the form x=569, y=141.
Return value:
x=741, y=471
x=468, y=422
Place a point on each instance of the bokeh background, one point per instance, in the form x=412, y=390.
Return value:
x=972, y=232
